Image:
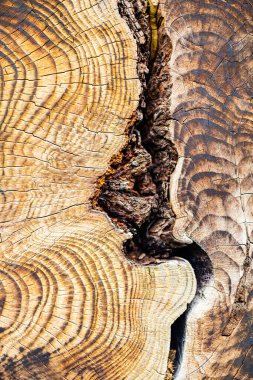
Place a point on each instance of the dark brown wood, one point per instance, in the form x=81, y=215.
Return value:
x=211, y=189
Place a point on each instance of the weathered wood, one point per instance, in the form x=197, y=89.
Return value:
x=211, y=189
x=72, y=306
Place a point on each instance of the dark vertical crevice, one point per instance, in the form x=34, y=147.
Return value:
x=203, y=269
x=135, y=190
x=177, y=340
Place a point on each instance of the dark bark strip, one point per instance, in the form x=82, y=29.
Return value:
x=211, y=107
x=136, y=189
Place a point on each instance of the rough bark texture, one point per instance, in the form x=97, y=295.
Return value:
x=135, y=191
x=72, y=306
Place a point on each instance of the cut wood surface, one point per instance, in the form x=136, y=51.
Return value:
x=212, y=186
x=71, y=305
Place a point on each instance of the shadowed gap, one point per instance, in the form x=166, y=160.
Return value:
x=135, y=190
x=202, y=266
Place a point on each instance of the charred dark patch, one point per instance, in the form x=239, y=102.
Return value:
x=8, y=366
x=33, y=365
x=36, y=357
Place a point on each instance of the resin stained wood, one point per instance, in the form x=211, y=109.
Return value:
x=72, y=306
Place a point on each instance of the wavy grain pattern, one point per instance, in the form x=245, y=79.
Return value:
x=71, y=305
x=212, y=186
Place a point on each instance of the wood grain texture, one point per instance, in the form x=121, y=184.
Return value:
x=211, y=189
x=71, y=305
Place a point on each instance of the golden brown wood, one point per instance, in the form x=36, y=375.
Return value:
x=72, y=306
x=211, y=189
